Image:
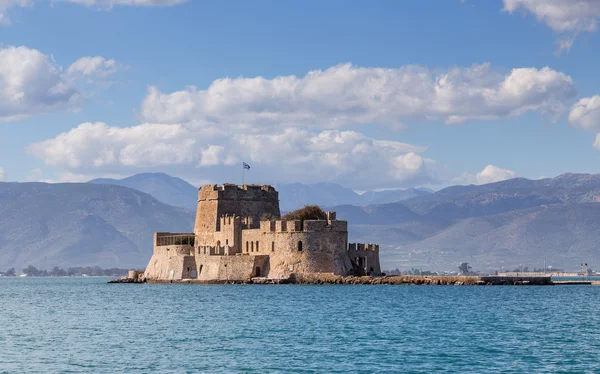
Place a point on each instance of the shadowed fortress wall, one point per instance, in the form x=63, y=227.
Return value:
x=246, y=201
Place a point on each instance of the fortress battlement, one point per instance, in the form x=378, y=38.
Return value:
x=252, y=192
x=360, y=247
x=300, y=226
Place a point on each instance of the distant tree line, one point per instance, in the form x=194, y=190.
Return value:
x=94, y=271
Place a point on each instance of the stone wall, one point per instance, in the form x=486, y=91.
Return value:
x=169, y=262
x=365, y=256
x=245, y=201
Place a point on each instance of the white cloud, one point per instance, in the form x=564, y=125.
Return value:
x=586, y=113
x=32, y=83
x=489, y=174
x=597, y=142
x=1, y=174
x=97, y=145
x=300, y=129
x=563, y=16
x=346, y=95
x=289, y=155
x=6, y=4
x=92, y=67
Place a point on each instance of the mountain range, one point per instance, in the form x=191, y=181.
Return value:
x=499, y=225
x=493, y=226
x=75, y=224
x=170, y=190
x=177, y=192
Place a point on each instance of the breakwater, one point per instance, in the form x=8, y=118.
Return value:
x=322, y=278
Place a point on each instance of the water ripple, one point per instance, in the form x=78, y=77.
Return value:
x=75, y=325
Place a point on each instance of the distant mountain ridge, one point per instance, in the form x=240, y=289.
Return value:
x=295, y=195
x=77, y=224
x=177, y=192
x=165, y=188
x=502, y=224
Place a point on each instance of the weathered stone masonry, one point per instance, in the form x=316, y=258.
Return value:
x=239, y=235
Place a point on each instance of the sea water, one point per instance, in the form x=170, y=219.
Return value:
x=74, y=325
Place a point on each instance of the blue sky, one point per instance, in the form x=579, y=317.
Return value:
x=379, y=94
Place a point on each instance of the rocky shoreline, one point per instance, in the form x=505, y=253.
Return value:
x=364, y=280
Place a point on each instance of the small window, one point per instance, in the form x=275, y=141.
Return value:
x=226, y=241
x=272, y=246
x=257, y=246
x=300, y=246
x=251, y=246
x=218, y=243
x=247, y=247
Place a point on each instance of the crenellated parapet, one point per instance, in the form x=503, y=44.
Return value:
x=362, y=247
x=215, y=250
x=227, y=191
x=229, y=220
x=328, y=225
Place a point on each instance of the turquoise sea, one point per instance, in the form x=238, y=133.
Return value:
x=73, y=325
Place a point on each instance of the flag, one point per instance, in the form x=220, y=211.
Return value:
x=246, y=166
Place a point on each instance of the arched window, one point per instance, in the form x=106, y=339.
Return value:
x=257, y=246
x=251, y=246
x=226, y=241
x=218, y=243
x=272, y=246
x=300, y=246
x=247, y=247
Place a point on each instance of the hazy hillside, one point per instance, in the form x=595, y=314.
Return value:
x=81, y=224
x=508, y=223
x=293, y=196
x=177, y=192
x=170, y=190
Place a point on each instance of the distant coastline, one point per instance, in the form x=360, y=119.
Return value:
x=74, y=271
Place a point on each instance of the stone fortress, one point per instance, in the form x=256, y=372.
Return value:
x=239, y=235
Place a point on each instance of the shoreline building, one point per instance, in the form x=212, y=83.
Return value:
x=239, y=235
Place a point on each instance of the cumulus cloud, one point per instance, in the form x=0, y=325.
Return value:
x=568, y=17
x=489, y=174
x=97, y=66
x=346, y=95
x=292, y=154
x=301, y=128
x=31, y=82
x=585, y=113
x=96, y=145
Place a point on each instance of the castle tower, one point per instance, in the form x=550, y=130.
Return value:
x=229, y=199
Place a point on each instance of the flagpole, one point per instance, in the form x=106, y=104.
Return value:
x=243, y=168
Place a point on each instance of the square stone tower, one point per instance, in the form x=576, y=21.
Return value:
x=253, y=201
